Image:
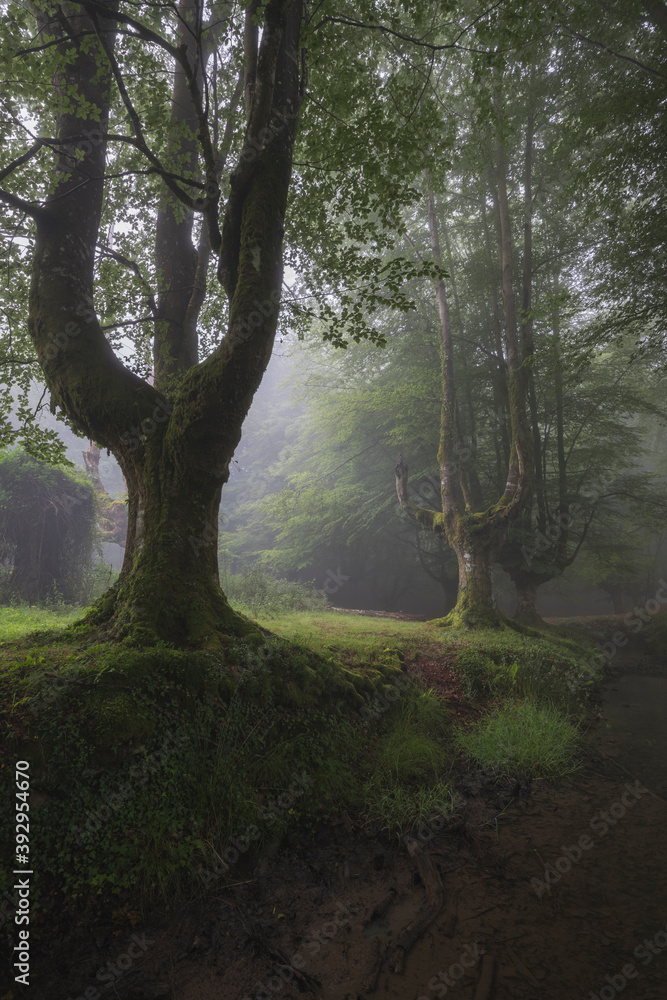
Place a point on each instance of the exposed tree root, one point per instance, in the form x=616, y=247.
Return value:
x=435, y=895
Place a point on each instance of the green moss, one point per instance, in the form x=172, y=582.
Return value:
x=117, y=721
x=467, y=615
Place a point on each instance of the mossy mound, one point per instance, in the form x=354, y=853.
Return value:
x=143, y=762
x=547, y=668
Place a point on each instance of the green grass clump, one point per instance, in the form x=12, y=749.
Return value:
x=397, y=811
x=409, y=757
x=524, y=739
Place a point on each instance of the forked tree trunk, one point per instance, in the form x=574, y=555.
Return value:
x=174, y=440
x=476, y=536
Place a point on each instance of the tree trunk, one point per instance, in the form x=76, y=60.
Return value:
x=475, y=536
x=169, y=585
x=526, y=600
x=475, y=603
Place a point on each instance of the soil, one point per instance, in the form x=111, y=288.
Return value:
x=551, y=891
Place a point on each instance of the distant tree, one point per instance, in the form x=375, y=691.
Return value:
x=47, y=529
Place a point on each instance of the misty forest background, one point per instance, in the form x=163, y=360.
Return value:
x=466, y=377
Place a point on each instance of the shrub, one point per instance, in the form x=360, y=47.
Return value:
x=548, y=670
x=257, y=593
x=47, y=529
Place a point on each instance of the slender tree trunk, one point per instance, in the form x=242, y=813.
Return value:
x=500, y=393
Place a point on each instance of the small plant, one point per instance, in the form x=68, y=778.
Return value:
x=525, y=740
x=398, y=811
x=476, y=672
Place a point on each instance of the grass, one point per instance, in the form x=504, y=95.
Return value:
x=19, y=619
x=353, y=637
x=525, y=740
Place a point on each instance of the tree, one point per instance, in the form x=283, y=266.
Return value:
x=47, y=528
x=478, y=535
x=95, y=78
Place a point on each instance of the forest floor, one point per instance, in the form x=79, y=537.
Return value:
x=551, y=889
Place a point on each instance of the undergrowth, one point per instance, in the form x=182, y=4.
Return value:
x=156, y=769
x=255, y=593
x=549, y=670
x=524, y=740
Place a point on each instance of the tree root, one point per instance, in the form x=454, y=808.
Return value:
x=435, y=896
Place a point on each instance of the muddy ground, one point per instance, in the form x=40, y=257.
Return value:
x=550, y=891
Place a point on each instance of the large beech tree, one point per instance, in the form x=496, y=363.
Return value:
x=174, y=438
x=130, y=121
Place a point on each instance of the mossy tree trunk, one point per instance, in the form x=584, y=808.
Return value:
x=476, y=537
x=174, y=439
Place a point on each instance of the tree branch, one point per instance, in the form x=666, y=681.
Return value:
x=423, y=515
x=612, y=52
x=136, y=122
